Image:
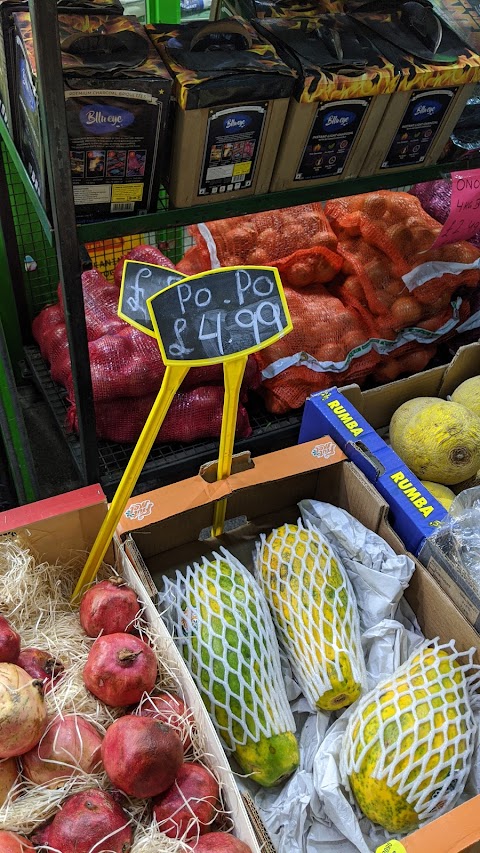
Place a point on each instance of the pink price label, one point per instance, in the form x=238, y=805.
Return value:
x=464, y=217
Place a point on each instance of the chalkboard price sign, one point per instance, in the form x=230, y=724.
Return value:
x=218, y=315
x=139, y=282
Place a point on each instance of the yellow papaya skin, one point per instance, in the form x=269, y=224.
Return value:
x=270, y=760
x=379, y=801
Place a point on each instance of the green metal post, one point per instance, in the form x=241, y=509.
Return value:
x=163, y=11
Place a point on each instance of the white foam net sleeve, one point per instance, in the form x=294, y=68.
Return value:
x=315, y=612
x=416, y=731
x=223, y=628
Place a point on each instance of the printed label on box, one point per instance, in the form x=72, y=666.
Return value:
x=92, y=195
x=127, y=192
x=418, y=127
x=231, y=148
x=331, y=138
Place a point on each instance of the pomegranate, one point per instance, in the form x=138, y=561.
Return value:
x=141, y=756
x=169, y=709
x=109, y=607
x=9, y=773
x=188, y=808
x=90, y=821
x=70, y=744
x=40, y=664
x=23, y=717
x=221, y=842
x=120, y=668
x=11, y=842
x=9, y=642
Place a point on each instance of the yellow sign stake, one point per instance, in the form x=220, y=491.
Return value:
x=233, y=375
x=172, y=380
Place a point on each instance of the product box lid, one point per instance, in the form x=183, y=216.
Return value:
x=286, y=8
x=334, y=61
x=463, y=16
x=420, y=44
x=221, y=62
x=99, y=46
x=415, y=512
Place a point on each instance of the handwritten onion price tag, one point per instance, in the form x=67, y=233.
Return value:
x=219, y=315
x=464, y=217
x=139, y=282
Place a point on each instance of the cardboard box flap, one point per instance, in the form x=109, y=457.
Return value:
x=80, y=512
x=455, y=832
x=464, y=365
x=187, y=495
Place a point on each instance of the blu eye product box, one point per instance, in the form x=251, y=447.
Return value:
x=232, y=91
x=438, y=73
x=7, y=45
x=342, y=91
x=117, y=93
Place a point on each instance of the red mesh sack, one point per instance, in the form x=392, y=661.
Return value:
x=47, y=327
x=145, y=253
x=195, y=260
x=324, y=329
x=100, y=299
x=193, y=415
x=404, y=361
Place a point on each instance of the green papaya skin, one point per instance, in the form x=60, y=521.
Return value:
x=270, y=760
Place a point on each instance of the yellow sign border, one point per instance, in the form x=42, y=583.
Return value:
x=222, y=358
x=149, y=332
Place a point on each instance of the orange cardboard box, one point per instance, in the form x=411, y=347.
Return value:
x=160, y=532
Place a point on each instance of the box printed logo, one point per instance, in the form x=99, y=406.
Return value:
x=324, y=451
x=139, y=510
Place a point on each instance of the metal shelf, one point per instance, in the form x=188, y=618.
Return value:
x=170, y=461
x=168, y=217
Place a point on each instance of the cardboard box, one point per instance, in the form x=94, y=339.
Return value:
x=372, y=411
x=230, y=109
x=433, y=88
x=337, y=104
x=66, y=526
x=7, y=45
x=117, y=95
x=160, y=531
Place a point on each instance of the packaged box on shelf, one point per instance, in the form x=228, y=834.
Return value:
x=463, y=16
x=354, y=418
x=230, y=109
x=7, y=45
x=337, y=104
x=434, y=85
x=276, y=8
x=65, y=528
x=117, y=93
x=160, y=533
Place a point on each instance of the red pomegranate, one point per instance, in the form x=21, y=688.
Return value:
x=23, y=716
x=11, y=842
x=90, y=821
x=9, y=642
x=70, y=744
x=109, y=607
x=141, y=756
x=120, y=668
x=221, y=842
x=169, y=709
x=40, y=664
x=188, y=808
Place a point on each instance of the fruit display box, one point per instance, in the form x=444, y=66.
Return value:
x=164, y=530
x=62, y=529
x=355, y=418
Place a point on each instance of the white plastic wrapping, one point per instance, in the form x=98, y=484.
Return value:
x=458, y=538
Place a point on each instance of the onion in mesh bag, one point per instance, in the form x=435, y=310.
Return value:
x=222, y=626
x=408, y=745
